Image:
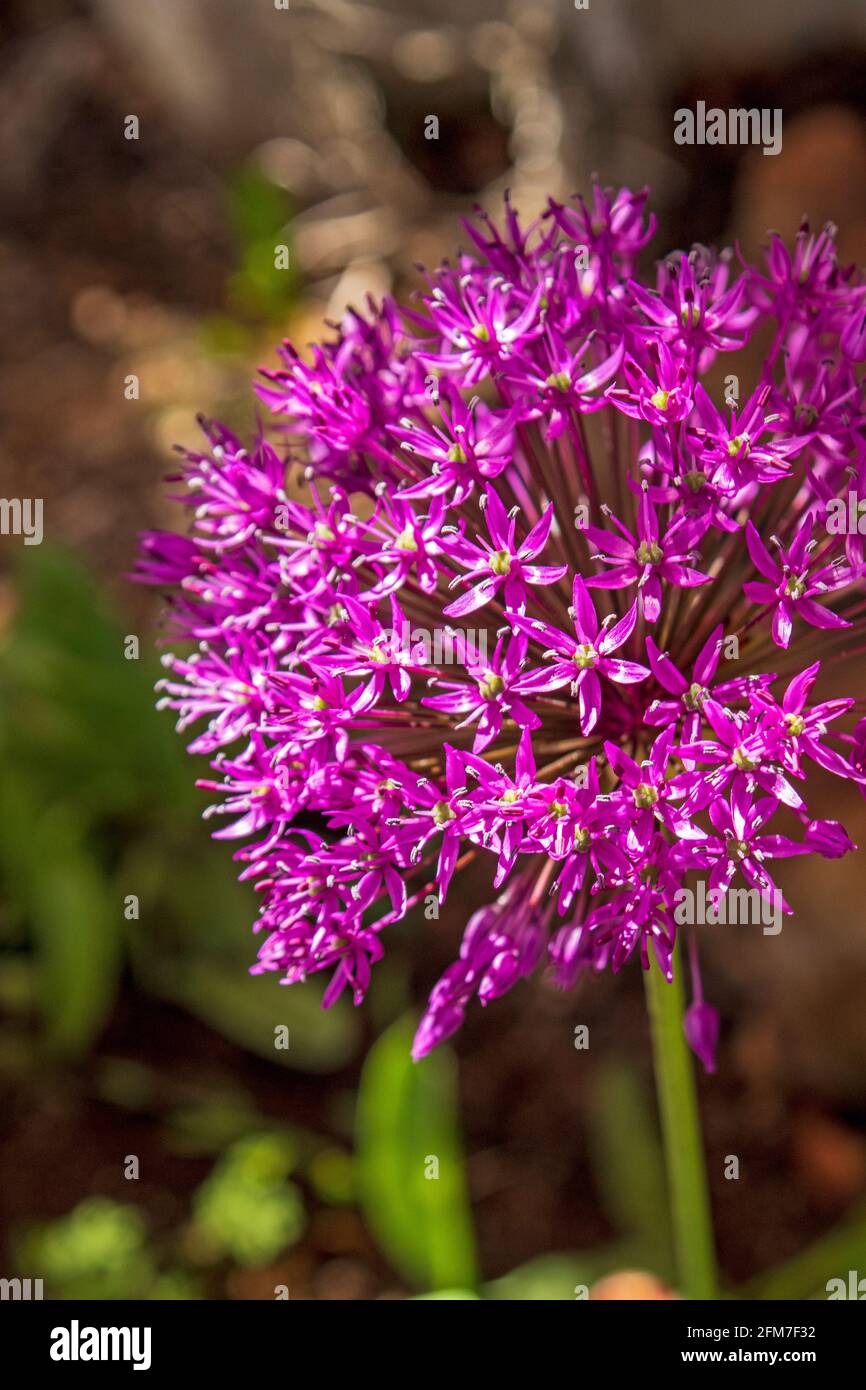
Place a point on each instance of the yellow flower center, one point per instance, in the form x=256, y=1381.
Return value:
x=648, y=553
x=559, y=381
x=645, y=796
x=585, y=657
x=406, y=540
x=492, y=686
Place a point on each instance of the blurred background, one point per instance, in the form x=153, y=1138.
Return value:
x=154, y=1142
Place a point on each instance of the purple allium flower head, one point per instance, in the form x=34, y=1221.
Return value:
x=537, y=448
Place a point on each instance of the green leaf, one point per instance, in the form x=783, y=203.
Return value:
x=247, y=1010
x=76, y=714
x=77, y=930
x=260, y=213
x=452, y=1295
x=807, y=1274
x=75, y=916
x=407, y=1119
x=257, y=208
x=207, y=1127
x=629, y=1165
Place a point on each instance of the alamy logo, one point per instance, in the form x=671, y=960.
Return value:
x=734, y=127
x=77, y=1343
x=22, y=516
x=21, y=1290
x=855, y=1287
x=714, y=907
x=846, y=516
x=444, y=647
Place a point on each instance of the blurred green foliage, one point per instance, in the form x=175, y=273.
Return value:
x=246, y=1209
x=332, y=1174
x=99, y=1250
x=260, y=214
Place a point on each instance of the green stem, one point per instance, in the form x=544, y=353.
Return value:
x=684, y=1154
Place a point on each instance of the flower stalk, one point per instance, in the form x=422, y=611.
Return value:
x=688, y=1189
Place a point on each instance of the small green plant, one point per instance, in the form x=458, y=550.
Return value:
x=247, y=1209
x=99, y=1250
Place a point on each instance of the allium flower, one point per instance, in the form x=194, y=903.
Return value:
x=649, y=558
x=536, y=446
x=795, y=582
x=578, y=661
